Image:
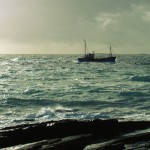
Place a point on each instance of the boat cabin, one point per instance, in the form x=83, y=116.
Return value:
x=90, y=56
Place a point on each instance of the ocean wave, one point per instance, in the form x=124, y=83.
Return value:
x=20, y=102
x=140, y=78
x=30, y=91
x=147, y=62
x=15, y=59
x=86, y=103
x=60, y=112
x=40, y=87
x=137, y=116
x=57, y=112
x=4, y=76
x=132, y=94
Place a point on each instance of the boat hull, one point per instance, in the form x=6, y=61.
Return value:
x=107, y=59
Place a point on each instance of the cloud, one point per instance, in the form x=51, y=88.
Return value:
x=67, y=22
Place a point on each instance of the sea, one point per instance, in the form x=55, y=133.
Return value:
x=37, y=88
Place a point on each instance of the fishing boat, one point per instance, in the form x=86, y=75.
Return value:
x=90, y=57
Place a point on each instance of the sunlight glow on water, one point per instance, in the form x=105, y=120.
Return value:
x=46, y=87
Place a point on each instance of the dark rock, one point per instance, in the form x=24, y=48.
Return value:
x=138, y=146
x=101, y=130
x=39, y=145
x=36, y=132
x=121, y=142
x=73, y=143
x=77, y=142
x=111, y=145
x=127, y=126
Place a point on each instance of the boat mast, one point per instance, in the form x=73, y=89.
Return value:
x=85, y=46
x=110, y=51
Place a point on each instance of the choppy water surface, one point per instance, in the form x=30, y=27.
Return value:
x=47, y=87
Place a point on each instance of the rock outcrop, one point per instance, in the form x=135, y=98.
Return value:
x=78, y=134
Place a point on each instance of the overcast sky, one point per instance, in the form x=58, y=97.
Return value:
x=60, y=26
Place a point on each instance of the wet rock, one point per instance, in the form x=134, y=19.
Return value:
x=40, y=144
x=48, y=130
x=81, y=132
x=77, y=142
x=123, y=143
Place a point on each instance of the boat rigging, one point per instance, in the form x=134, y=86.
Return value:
x=90, y=57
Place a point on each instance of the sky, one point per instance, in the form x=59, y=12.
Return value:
x=60, y=26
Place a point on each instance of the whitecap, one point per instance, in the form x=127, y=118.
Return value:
x=58, y=112
x=15, y=59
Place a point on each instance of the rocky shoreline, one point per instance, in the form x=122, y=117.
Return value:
x=78, y=134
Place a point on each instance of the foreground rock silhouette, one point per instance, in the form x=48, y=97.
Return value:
x=78, y=134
